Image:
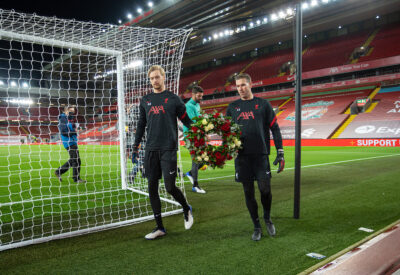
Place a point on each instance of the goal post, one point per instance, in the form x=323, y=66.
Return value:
x=46, y=64
x=122, y=119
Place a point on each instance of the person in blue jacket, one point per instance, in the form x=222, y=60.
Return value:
x=69, y=138
x=193, y=110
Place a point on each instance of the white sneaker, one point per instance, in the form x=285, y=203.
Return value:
x=155, y=234
x=189, y=177
x=197, y=189
x=188, y=219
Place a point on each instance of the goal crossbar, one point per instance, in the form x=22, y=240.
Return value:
x=57, y=43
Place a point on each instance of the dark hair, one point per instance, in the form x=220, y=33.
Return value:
x=243, y=76
x=197, y=89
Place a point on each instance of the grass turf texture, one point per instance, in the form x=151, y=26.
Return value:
x=336, y=199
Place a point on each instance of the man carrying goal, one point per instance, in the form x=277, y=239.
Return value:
x=256, y=119
x=158, y=113
x=69, y=138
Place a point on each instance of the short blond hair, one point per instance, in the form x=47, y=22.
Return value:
x=243, y=76
x=156, y=68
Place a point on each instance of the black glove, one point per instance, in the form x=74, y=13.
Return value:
x=134, y=154
x=280, y=159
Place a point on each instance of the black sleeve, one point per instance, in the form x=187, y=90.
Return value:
x=181, y=113
x=228, y=111
x=276, y=133
x=141, y=126
x=273, y=126
x=63, y=126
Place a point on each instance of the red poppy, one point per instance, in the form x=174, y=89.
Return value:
x=202, y=141
x=219, y=156
x=225, y=127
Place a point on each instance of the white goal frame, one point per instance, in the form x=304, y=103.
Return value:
x=116, y=50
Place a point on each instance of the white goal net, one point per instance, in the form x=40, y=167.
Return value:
x=46, y=64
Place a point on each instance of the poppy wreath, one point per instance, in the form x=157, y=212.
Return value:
x=197, y=142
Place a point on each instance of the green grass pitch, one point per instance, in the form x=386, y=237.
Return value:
x=343, y=188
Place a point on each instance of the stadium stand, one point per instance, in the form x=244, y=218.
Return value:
x=100, y=132
x=37, y=123
x=333, y=52
x=10, y=131
x=268, y=66
x=186, y=80
x=41, y=113
x=322, y=113
x=219, y=108
x=379, y=121
x=383, y=44
x=29, y=113
x=329, y=53
x=275, y=103
x=220, y=75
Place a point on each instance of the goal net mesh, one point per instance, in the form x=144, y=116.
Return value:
x=46, y=64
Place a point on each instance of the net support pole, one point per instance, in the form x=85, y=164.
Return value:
x=121, y=119
x=298, y=60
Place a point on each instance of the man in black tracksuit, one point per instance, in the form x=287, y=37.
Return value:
x=158, y=113
x=256, y=118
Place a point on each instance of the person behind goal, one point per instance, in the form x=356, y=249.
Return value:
x=69, y=138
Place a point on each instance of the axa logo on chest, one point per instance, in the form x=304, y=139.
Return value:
x=246, y=115
x=156, y=110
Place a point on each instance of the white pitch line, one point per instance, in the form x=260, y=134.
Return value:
x=344, y=161
x=314, y=165
x=66, y=196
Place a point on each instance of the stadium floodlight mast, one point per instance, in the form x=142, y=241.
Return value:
x=66, y=56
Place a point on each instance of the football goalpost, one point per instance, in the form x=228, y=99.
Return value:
x=46, y=64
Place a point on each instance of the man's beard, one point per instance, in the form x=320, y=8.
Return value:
x=157, y=87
